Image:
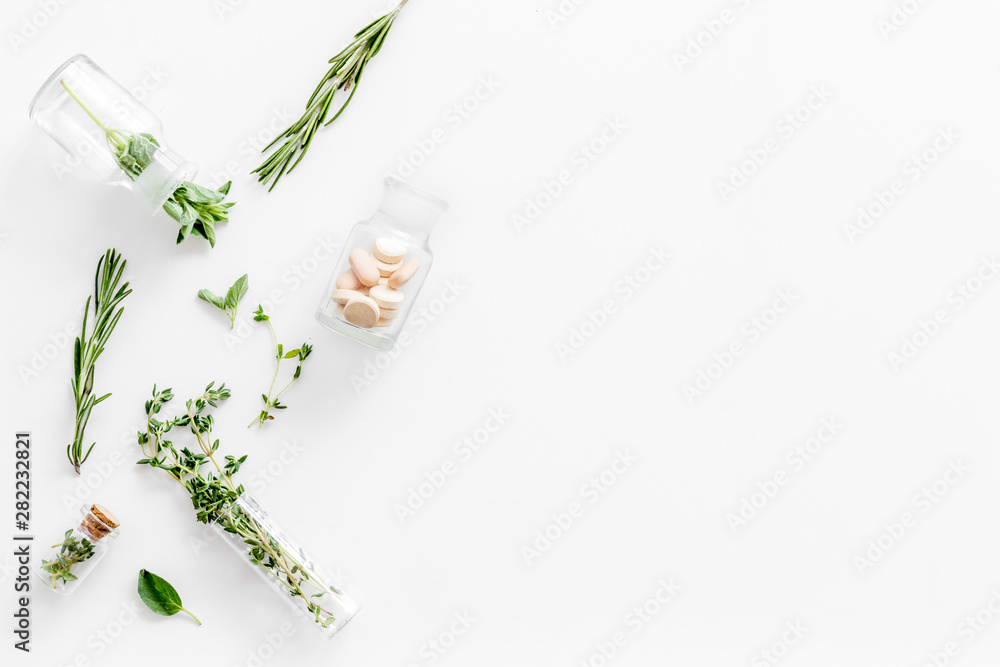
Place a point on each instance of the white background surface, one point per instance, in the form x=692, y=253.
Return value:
x=221, y=79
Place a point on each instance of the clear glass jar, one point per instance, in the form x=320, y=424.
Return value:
x=288, y=569
x=81, y=549
x=80, y=103
x=405, y=217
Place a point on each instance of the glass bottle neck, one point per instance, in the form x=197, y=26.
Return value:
x=409, y=211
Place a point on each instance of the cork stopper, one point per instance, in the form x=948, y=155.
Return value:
x=99, y=522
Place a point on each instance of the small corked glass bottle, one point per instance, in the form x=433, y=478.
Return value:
x=80, y=551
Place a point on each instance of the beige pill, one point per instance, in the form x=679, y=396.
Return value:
x=362, y=312
x=388, y=313
x=386, y=297
x=383, y=281
x=389, y=251
x=385, y=269
x=348, y=280
x=364, y=267
x=342, y=296
x=403, y=274
x=383, y=322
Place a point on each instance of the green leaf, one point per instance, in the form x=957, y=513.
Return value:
x=174, y=210
x=212, y=298
x=291, y=355
x=150, y=138
x=200, y=195
x=237, y=291
x=157, y=593
x=242, y=285
x=161, y=598
x=141, y=149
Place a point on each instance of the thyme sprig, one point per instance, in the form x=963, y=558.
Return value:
x=72, y=550
x=214, y=492
x=301, y=353
x=108, y=294
x=344, y=74
x=196, y=208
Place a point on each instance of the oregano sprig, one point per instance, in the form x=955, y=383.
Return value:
x=108, y=294
x=230, y=303
x=344, y=74
x=280, y=355
x=194, y=207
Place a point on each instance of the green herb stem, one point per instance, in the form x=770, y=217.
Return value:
x=274, y=403
x=191, y=615
x=108, y=294
x=108, y=132
x=346, y=69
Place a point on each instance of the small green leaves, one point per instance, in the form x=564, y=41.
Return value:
x=72, y=550
x=230, y=303
x=197, y=209
x=279, y=356
x=160, y=596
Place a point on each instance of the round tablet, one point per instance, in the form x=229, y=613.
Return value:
x=361, y=312
x=389, y=250
x=348, y=280
x=383, y=322
x=403, y=274
x=386, y=297
x=383, y=281
x=342, y=296
x=388, y=313
x=364, y=267
x=384, y=268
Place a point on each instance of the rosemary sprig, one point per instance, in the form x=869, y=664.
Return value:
x=280, y=354
x=213, y=494
x=344, y=74
x=72, y=550
x=107, y=295
x=197, y=209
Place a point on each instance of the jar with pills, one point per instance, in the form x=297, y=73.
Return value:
x=382, y=267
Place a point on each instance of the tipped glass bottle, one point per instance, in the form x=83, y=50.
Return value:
x=285, y=566
x=91, y=115
x=103, y=126
x=401, y=226
x=81, y=549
